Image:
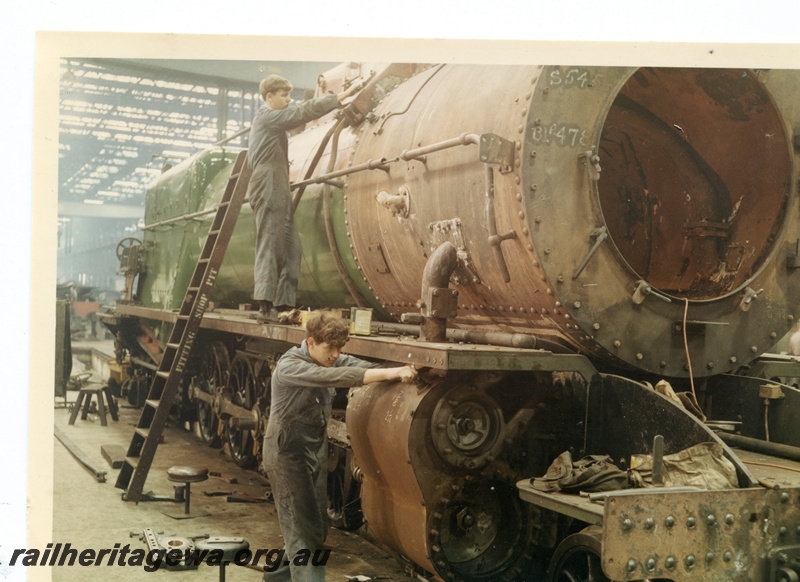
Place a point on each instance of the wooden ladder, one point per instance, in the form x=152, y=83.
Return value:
x=167, y=378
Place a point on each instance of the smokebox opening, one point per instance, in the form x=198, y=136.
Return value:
x=694, y=182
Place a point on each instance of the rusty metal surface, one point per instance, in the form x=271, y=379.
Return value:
x=641, y=155
x=704, y=535
x=378, y=420
x=653, y=221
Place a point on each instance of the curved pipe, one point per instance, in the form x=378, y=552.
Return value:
x=436, y=277
x=327, y=211
x=299, y=194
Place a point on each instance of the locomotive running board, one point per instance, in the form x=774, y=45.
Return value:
x=177, y=350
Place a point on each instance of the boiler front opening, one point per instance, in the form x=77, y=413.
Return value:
x=694, y=182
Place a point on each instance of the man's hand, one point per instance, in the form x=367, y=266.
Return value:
x=403, y=373
x=347, y=92
x=407, y=373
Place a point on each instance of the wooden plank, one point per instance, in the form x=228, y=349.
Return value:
x=113, y=454
x=81, y=457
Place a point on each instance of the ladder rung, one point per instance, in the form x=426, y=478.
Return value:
x=132, y=461
x=173, y=346
x=193, y=289
x=213, y=232
x=203, y=260
x=183, y=316
x=142, y=431
x=153, y=403
x=163, y=374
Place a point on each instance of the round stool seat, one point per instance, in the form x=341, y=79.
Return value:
x=229, y=546
x=187, y=474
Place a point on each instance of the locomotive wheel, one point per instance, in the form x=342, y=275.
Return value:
x=263, y=397
x=482, y=532
x=213, y=375
x=344, y=507
x=241, y=388
x=577, y=558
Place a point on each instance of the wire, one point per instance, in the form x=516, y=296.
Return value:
x=771, y=465
x=688, y=357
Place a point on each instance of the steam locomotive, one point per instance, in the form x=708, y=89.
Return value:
x=545, y=243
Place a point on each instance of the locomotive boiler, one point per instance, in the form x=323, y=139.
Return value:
x=544, y=242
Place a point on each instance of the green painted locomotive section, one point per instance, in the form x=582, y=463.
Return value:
x=172, y=249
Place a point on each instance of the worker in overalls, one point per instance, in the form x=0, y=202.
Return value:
x=277, y=253
x=296, y=441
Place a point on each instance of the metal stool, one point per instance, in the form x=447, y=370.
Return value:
x=187, y=475
x=230, y=548
x=85, y=399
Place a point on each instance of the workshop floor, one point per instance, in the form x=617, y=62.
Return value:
x=91, y=514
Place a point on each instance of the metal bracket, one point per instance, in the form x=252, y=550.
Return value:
x=497, y=150
x=441, y=302
x=592, y=162
x=643, y=289
x=749, y=296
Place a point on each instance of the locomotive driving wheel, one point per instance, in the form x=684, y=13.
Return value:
x=344, y=503
x=242, y=390
x=482, y=532
x=215, y=367
x=577, y=558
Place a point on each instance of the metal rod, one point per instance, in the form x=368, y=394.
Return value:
x=368, y=165
x=491, y=222
x=462, y=140
x=760, y=446
x=383, y=163
x=327, y=178
x=180, y=218
x=239, y=133
x=658, y=460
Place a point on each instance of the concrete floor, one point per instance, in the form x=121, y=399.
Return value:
x=91, y=514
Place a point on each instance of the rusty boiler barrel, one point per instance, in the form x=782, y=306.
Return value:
x=628, y=213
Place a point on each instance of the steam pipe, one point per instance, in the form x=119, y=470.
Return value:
x=480, y=336
x=299, y=194
x=382, y=163
x=435, y=280
x=760, y=446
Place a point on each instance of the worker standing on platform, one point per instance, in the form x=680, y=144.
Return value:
x=277, y=256
x=296, y=442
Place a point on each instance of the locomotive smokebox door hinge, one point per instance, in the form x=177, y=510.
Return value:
x=496, y=150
